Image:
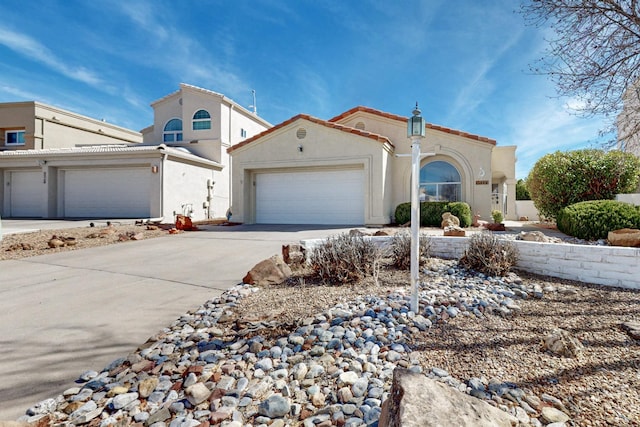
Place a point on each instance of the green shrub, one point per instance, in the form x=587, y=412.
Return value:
x=497, y=216
x=563, y=178
x=522, y=193
x=400, y=250
x=431, y=213
x=592, y=220
x=489, y=255
x=462, y=211
x=345, y=259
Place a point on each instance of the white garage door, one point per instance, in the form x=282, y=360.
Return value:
x=320, y=197
x=25, y=193
x=107, y=193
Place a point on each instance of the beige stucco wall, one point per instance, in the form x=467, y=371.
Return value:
x=471, y=158
x=50, y=127
x=503, y=159
x=323, y=149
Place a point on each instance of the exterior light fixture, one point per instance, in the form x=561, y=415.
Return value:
x=416, y=130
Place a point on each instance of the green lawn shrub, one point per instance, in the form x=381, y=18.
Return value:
x=592, y=220
x=431, y=213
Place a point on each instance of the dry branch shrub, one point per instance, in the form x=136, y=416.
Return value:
x=400, y=250
x=345, y=259
x=489, y=255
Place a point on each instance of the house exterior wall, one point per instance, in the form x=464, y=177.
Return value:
x=185, y=192
x=503, y=159
x=322, y=149
x=472, y=159
x=49, y=127
x=228, y=120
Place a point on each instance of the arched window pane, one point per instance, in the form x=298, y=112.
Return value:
x=172, y=131
x=440, y=181
x=201, y=120
x=201, y=114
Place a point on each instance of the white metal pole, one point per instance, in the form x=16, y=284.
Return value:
x=415, y=221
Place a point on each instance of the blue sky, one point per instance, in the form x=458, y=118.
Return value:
x=466, y=62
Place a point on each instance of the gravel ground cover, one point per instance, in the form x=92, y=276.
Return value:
x=600, y=386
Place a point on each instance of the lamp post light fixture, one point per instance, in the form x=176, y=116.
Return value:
x=416, y=130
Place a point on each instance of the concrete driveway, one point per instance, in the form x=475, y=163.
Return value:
x=64, y=313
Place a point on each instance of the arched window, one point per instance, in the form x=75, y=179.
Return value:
x=440, y=181
x=172, y=131
x=201, y=120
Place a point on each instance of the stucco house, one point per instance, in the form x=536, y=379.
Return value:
x=352, y=169
x=58, y=164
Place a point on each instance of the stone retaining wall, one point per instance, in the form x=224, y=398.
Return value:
x=601, y=265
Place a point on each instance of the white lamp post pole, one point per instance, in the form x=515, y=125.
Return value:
x=415, y=221
x=416, y=130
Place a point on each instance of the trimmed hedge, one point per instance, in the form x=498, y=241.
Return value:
x=592, y=220
x=431, y=213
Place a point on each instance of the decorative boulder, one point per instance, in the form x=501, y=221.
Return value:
x=629, y=237
x=271, y=271
x=449, y=220
x=418, y=401
x=533, y=236
x=561, y=342
x=184, y=223
x=293, y=254
x=632, y=328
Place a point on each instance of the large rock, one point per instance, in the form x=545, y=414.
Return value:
x=561, y=342
x=416, y=400
x=449, y=220
x=533, y=236
x=629, y=237
x=271, y=271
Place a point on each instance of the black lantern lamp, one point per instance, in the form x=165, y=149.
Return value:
x=416, y=126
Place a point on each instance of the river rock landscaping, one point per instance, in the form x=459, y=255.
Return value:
x=549, y=352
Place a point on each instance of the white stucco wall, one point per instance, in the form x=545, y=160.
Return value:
x=185, y=191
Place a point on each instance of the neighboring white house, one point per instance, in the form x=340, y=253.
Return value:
x=351, y=170
x=58, y=164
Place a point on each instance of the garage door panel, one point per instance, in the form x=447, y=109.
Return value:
x=320, y=197
x=25, y=194
x=107, y=193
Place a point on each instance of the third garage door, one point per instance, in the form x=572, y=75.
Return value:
x=303, y=197
x=107, y=193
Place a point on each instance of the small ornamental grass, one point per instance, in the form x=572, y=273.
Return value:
x=400, y=250
x=345, y=259
x=489, y=255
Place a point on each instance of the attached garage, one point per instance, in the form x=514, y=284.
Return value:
x=310, y=197
x=24, y=190
x=106, y=193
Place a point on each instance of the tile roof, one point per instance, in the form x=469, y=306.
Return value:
x=329, y=124
x=404, y=120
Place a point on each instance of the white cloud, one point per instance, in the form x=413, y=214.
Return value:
x=34, y=50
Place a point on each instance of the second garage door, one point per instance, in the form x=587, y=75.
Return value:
x=25, y=193
x=318, y=197
x=107, y=193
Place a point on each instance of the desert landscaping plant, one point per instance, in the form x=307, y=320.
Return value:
x=522, y=193
x=346, y=258
x=561, y=179
x=400, y=250
x=490, y=255
x=497, y=216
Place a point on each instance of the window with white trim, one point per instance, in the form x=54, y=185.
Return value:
x=14, y=137
x=440, y=181
x=172, y=131
x=201, y=120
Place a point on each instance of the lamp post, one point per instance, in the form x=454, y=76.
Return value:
x=416, y=129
